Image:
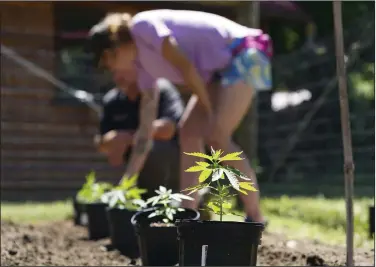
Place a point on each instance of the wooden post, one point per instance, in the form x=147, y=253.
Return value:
x=346, y=131
x=247, y=133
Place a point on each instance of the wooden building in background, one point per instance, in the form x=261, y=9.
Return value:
x=46, y=137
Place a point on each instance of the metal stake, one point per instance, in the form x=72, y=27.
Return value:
x=346, y=131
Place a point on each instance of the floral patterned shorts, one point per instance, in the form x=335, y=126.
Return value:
x=249, y=64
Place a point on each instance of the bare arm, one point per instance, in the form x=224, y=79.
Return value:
x=190, y=75
x=143, y=137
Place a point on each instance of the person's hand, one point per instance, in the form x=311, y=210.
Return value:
x=114, y=145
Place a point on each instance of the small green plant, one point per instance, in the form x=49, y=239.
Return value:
x=213, y=174
x=165, y=202
x=92, y=191
x=126, y=195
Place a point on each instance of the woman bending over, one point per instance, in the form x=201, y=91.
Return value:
x=220, y=61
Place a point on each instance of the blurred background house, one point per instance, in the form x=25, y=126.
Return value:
x=46, y=135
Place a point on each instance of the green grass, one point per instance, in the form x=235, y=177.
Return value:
x=296, y=217
x=35, y=212
x=318, y=218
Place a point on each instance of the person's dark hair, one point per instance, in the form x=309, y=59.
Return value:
x=111, y=31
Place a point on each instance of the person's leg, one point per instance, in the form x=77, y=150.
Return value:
x=161, y=168
x=231, y=104
x=191, y=140
x=249, y=70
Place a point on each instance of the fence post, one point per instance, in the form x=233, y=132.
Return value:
x=346, y=130
x=247, y=133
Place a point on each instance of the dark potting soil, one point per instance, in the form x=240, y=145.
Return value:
x=64, y=244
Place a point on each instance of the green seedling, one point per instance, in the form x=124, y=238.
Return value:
x=126, y=195
x=166, y=204
x=213, y=174
x=92, y=191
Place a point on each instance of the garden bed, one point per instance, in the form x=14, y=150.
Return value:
x=64, y=244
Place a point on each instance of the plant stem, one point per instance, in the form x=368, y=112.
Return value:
x=220, y=200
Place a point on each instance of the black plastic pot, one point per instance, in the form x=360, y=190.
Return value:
x=371, y=212
x=214, y=243
x=97, y=226
x=79, y=213
x=158, y=245
x=122, y=233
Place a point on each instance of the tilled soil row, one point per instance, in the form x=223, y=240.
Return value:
x=64, y=244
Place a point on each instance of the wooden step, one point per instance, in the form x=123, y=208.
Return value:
x=71, y=167
x=25, y=110
x=60, y=174
x=34, y=165
x=41, y=185
x=20, y=143
x=51, y=155
x=52, y=129
x=34, y=94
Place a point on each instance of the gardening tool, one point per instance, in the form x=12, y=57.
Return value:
x=81, y=95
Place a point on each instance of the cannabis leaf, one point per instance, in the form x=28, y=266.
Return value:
x=126, y=195
x=92, y=191
x=165, y=203
x=213, y=172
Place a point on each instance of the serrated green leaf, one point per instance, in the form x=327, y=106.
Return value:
x=213, y=207
x=202, y=163
x=127, y=183
x=216, y=154
x=231, y=156
x=199, y=155
x=153, y=214
x=196, y=168
x=90, y=177
x=217, y=174
x=179, y=197
x=195, y=189
x=170, y=216
x=204, y=175
x=150, y=200
x=232, y=178
x=121, y=196
x=238, y=173
x=113, y=201
x=226, y=205
x=198, y=186
x=243, y=191
x=248, y=186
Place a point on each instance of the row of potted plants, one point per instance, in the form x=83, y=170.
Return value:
x=161, y=232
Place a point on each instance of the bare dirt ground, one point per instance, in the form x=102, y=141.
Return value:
x=64, y=244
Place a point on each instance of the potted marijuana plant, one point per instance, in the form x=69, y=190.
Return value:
x=80, y=199
x=123, y=201
x=220, y=243
x=155, y=228
x=90, y=198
